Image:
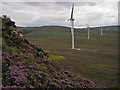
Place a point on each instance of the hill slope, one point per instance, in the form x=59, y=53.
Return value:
x=27, y=30
x=27, y=66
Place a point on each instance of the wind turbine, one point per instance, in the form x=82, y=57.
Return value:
x=72, y=28
x=107, y=28
x=88, y=31
x=101, y=31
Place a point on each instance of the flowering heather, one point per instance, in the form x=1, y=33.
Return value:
x=27, y=66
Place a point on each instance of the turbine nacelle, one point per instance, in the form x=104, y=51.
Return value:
x=71, y=19
x=87, y=25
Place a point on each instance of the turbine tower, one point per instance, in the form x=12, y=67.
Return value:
x=88, y=31
x=101, y=31
x=72, y=27
x=107, y=28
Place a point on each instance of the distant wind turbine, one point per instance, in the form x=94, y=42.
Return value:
x=72, y=28
x=101, y=31
x=88, y=31
x=107, y=28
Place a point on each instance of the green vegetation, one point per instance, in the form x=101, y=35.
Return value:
x=55, y=58
x=99, y=66
x=26, y=65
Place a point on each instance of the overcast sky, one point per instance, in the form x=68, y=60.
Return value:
x=58, y=13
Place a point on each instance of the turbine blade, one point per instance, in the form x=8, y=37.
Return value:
x=72, y=12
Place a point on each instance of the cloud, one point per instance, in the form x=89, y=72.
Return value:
x=58, y=13
x=59, y=0
x=92, y=3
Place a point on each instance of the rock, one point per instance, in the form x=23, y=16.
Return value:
x=20, y=34
x=14, y=34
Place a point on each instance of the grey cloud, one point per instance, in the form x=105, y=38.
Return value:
x=92, y=3
x=111, y=16
x=31, y=3
x=69, y=4
x=41, y=13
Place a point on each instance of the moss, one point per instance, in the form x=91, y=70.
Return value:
x=13, y=28
x=4, y=46
x=14, y=49
x=5, y=35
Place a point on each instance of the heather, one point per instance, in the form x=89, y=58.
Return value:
x=28, y=66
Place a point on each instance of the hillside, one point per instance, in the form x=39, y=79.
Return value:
x=27, y=30
x=97, y=60
x=27, y=66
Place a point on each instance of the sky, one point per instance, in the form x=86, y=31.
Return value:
x=57, y=13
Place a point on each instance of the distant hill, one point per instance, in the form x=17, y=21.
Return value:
x=27, y=30
x=107, y=28
x=52, y=28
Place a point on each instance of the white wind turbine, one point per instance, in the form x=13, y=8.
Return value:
x=72, y=28
x=88, y=31
x=107, y=28
x=101, y=31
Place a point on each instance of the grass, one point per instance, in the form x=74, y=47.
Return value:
x=99, y=66
x=55, y=58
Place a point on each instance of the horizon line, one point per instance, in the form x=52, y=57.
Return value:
x=83, y=26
